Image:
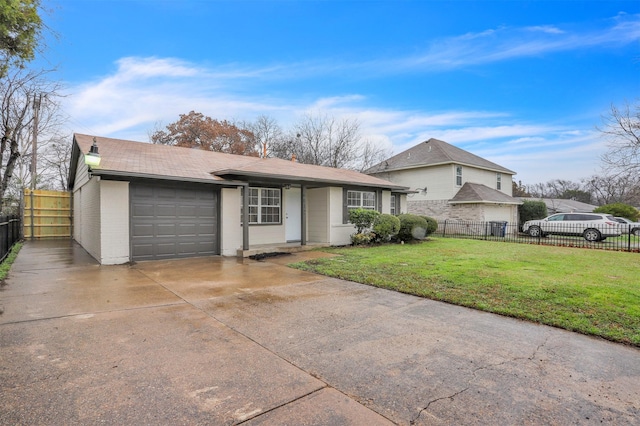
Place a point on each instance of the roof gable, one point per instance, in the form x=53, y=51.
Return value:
x=478, y=193
x=435, y=152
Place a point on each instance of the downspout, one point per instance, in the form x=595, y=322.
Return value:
x=245, y=216
x=303, y=211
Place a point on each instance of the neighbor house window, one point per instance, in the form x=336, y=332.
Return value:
x=498, y=181
x=458, y=175
x=361, y=200
x=264, y=206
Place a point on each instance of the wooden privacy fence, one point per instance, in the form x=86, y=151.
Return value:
x=47, y=214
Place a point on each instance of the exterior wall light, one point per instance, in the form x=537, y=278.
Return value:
x=92, y=159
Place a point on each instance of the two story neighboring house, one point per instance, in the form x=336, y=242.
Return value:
x=451, y=183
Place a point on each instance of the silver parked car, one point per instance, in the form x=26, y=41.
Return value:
x=628, y=227
x=592, y=226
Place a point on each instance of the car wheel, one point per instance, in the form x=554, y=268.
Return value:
x=636, y=232
x=535, y=231
x=592, y=235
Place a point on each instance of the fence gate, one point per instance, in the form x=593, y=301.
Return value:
x=47, y=214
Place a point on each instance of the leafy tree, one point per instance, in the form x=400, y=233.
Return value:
x=621, y=129
x=518, y=189
x=195, y=130
x=20, y=27
x=620, y=210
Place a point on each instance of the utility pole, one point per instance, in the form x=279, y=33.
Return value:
x=34, y=156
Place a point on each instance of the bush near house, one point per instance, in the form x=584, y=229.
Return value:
x=386, y=226
x=412, y=227
x=362, y=219
x=432, y=224
x=532, y=210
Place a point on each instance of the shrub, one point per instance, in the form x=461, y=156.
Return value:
x=412, y=227
x=432, y=224
x=531, y=210
x=620, y=210
x=362, y=219
x=386, y=226
x=362, y=238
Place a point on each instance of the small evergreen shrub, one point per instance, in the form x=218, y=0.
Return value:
x=432, y=224
x=364, y=238
x=412, y=227
x=385, y=226
x=532, y=210
x=362, y=219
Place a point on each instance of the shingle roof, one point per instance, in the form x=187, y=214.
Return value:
x=558, y=205
x=129, y=158
x=478, y=193
x=434, y=152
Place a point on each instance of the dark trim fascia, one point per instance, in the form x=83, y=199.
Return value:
x=118, y=175
x=283, y=179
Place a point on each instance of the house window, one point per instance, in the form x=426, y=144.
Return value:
x=264, y=206
x=395, y=204
x=361, y=199
x=458, y=175
x=498, y=181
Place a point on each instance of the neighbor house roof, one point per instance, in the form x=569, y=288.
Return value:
x=558, y=205
x=478, y=193
x=435, y=152
x=138, y=159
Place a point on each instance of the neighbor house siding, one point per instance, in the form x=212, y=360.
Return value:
x=114, y=211
x=230, y=221
x=318, y=215
x=386, y=202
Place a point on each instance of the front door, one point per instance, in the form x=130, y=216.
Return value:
x=293, y=214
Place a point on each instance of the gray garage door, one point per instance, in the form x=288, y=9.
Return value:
x=173, y=221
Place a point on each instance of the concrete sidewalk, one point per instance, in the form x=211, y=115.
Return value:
x=226, y=341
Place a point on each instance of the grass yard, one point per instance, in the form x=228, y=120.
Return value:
x=593, y=292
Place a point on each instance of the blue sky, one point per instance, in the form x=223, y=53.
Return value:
x=521, y=83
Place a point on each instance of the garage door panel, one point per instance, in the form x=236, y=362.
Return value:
x=169, y=222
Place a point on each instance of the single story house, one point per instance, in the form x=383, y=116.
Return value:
x=146, y=201
x=451, y=183
x=560, y=205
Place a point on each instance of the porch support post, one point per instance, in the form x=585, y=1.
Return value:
x=303, y=211
x=245, y=217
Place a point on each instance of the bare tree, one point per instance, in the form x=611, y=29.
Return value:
x=24, y=94
x=621, y=129
x=268, y=135
x=614, y=188
x=326, y=141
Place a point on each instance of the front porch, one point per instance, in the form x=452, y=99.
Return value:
x=296, y=247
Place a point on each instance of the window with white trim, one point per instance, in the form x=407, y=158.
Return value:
x=393, y=205
x=264, y=205
x=498, y=181
x=458, y=175
x=361, y=200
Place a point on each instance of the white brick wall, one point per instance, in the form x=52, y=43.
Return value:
x=114, y=229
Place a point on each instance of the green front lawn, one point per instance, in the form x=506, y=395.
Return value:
x=593, y=292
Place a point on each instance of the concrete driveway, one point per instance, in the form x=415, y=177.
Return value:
x=223, y=341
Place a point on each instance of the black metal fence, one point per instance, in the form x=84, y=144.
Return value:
x=572, y=235
x=9, y=234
